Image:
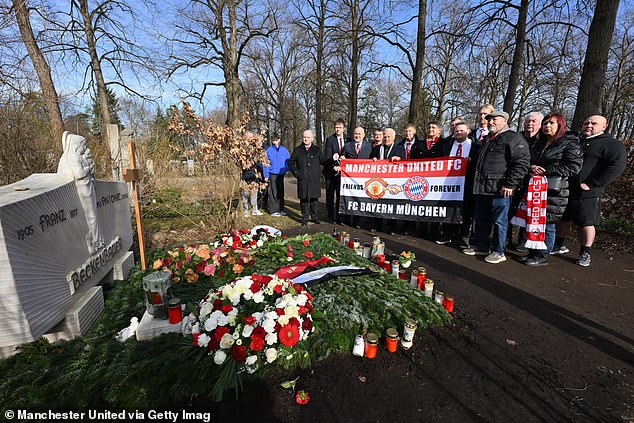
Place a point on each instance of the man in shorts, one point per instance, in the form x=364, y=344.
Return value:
x=603, y=161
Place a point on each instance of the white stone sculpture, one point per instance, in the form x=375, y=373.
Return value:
x=77, y=162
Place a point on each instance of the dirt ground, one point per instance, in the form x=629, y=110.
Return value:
x=549, y=344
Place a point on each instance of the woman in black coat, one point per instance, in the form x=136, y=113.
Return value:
x=557, y=155
x=304, y=164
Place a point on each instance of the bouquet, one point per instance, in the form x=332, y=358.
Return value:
x=250, y=323
x=406, y=259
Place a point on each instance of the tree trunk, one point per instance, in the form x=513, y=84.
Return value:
x=416, y=98
x=95, y=64
x=51, y=100
x=233, y=89
x=354, y=67
x=518, y=56
x=591, y=86
x=318, y=73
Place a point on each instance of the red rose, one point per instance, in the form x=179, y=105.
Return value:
x=310, y=297
x=255, y=287
x=179, y=264
x=284, y=237
x=253, y=243
x=288, y=335
x=266, y=280
x=256, y=344
x=226, y=308
x=289, y=247
x=237, y=244
x=244, y=231
x=307, y=325
x=302, y=397
x=196, y=335
x=258, y=332
x=213, y=343
x=301, y=310
x=217, y=304
x=278, y=289
x=200, y=267
x=306, y=243
x=293, y=321
x=279, y=311
x=308, y=254
x=256, y=278
x=188, y=258
x=249, y=320
x=309, y=307
x=239, y=353
x=167, y=261
x=220, y=332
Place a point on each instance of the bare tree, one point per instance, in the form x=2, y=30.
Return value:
x=595, y=65
x=49, y=93
x=216, y=33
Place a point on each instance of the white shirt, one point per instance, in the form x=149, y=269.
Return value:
x=383, y=153
x=481, y=131
x=466, y=148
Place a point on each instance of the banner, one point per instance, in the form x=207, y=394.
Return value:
x=426, y=190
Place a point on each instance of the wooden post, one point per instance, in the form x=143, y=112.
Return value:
x=132, y=174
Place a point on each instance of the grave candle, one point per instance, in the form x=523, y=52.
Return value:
x=448, y=303
x=391, y=339
x=174, y=311
x=408, y=333
x=395, y=268
x=422, y=276
x=440, y=297
x=371, y=343
x=429, y=288
x=402, y=275
x=413, y=281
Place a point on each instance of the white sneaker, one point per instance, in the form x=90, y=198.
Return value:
x=257, y=213
x=283, y=213
x=276, y=214
x=495, y=258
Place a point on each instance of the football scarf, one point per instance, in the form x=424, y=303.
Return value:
x=531, y=213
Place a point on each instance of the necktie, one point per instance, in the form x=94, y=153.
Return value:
x=482, y=135
x=409, y=146
x=340, y=144
x=459, y=150
x=358, y=147
x=430, y=143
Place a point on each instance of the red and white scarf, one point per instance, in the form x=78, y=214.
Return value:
x=531, y=213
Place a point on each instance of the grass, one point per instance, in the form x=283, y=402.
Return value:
x=98, y=370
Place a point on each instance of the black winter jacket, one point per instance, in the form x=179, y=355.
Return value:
x=306, y=167
x=560, y=160
x=604, y=160
x=502, y=162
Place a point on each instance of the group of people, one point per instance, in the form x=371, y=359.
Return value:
x=501, y=162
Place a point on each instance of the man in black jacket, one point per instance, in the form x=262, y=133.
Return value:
x=503, y=162
x=333, y=150
x=358, y=149
x=604, y=160
x=304, y=164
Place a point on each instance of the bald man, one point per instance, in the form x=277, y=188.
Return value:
x=304, y=164
x=603, y=161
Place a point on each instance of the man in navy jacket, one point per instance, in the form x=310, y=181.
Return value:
x=334, y=150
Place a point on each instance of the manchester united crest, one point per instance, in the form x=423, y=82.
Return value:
x=375, y=188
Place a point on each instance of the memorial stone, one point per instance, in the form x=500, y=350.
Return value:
x=60, y=234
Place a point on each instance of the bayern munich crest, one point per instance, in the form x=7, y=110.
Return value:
x=416, y=188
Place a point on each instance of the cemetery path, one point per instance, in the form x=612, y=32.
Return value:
x=549, y=344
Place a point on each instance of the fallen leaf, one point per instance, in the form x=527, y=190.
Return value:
x=510, y=342
x=363, y=379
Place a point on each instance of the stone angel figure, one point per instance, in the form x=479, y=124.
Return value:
x=77, y=162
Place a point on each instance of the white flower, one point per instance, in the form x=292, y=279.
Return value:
x=289, y=258
x=269, y=325
x=258, y=297
x=205, y=308
x=211, y=324
x=223, y=320
x=220, y=357
x=236, y=335
x=257, y=315
x=301, y=299
x=247, y=331
x=291, y=311
x=283, y=319
x=271, y=315
x=271, y=355
x=203, y=340
x=259, y=243
x=250, y=361
x=196, y=328
x=226, y=341
x=271, y=338
x=280, y=302
x=238, y=341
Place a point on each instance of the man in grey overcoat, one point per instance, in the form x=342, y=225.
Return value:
x=305, y=164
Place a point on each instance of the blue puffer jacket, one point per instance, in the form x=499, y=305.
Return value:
x=278, y=158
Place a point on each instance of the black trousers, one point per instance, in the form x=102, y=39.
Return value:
x=308, y=207
x=276, y=193
x=332, y=196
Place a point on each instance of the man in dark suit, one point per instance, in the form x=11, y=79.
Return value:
x=433, y=140
x=410, y=143
x=481, y=130
x=304, y=164
x=461, y=146
x=333, y=150
x=393, y=152
x=358, y=149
